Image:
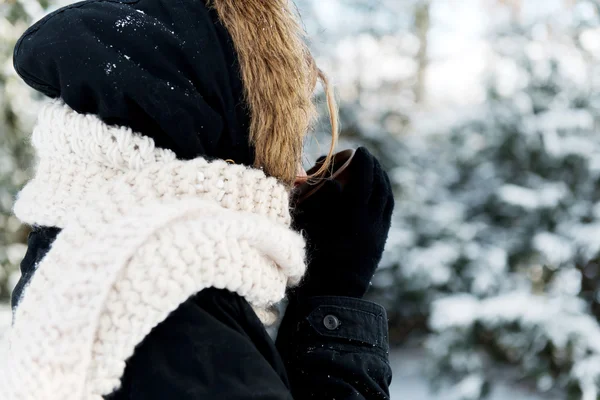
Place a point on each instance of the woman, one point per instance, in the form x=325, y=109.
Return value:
x=154, y=264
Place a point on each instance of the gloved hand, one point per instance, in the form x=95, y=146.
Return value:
x=346, y=229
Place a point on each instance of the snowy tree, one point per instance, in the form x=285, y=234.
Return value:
x=495, y=242
x=18, y=110
x=14, y=151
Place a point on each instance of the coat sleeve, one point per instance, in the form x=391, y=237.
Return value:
x=335, y=348
x=212, y=347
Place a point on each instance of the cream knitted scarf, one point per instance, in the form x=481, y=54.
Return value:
x=142, y=232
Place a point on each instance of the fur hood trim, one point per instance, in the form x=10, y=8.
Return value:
x=278, y=76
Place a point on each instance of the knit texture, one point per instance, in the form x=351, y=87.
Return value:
x=78, y=156
x=142, y=232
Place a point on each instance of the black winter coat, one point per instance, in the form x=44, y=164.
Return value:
x=214, y=347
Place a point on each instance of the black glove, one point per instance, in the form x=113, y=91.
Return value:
x=346, y=228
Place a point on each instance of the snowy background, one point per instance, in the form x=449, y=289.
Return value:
x=486, y=113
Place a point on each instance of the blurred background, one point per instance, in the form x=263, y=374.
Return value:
x=486, y=113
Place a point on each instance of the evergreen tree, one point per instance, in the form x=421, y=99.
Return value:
x=16, y=117
x=496, y=233
x=18, y=109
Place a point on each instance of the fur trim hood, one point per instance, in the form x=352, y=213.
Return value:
x=224, y=79
x=279, y=78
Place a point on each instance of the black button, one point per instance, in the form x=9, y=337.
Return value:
x=331, y=322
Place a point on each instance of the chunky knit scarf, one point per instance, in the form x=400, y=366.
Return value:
x=142, y=232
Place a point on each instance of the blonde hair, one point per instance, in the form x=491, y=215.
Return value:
x=279, y=76
x=332, y=108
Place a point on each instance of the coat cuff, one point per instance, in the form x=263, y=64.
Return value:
x=340, y=320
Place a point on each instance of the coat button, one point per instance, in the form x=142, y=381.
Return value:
x=331, y=322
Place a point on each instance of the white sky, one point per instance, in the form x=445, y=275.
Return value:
x=459, y=49
x=457, y=45
x=458, y=52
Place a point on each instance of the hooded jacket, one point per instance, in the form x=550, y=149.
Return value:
x=135, y=225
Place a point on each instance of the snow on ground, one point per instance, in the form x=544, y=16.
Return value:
x=410, y=381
